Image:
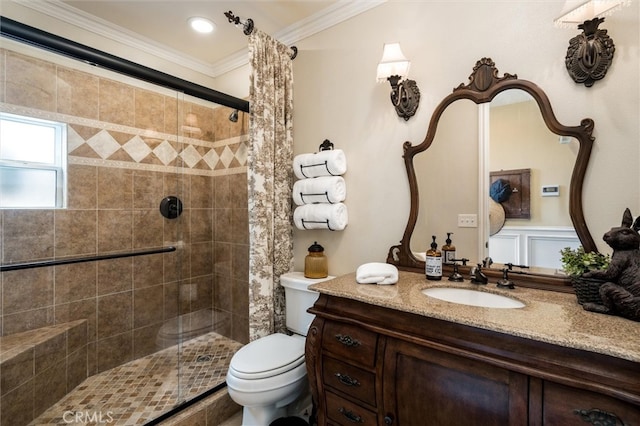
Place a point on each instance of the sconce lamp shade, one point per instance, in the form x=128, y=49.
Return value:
x=393, y=67
x=575, y=12
x=393, y=62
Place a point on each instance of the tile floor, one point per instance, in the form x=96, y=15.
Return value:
x=143, y=389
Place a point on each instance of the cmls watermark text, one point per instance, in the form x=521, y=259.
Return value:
x=86, y=417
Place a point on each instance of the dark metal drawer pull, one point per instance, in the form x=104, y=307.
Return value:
x=347, y=340
x=598, y=417
x=350, y=415
x=346, y=380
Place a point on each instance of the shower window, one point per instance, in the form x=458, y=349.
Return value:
x=32, y=162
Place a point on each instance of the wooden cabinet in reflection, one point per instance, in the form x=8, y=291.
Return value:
x=518, y=205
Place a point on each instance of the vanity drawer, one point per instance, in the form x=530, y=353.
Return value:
x=343, y=412
x=351, y=343
x=351, y=380
x=568, y=405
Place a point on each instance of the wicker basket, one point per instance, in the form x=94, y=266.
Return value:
x=587, y=289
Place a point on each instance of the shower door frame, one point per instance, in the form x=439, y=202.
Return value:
x=35, y=37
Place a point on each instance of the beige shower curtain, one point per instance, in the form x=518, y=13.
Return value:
x=270, y=179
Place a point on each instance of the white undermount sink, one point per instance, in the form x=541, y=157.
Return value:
x=465, y=296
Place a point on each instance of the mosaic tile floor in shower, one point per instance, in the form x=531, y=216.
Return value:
x=144, y=389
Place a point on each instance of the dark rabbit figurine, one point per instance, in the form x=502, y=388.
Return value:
x=621, y=293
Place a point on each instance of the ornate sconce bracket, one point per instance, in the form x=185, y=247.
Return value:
x=590, y=53
x=405, y=96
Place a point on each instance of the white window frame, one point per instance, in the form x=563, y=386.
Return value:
x=60, y=158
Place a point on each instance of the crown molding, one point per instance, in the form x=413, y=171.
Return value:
x=326, y=18
x=93, y=24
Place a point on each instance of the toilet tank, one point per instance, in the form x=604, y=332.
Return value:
x=298, y=299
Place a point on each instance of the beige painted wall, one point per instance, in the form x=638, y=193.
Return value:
x=336, y=97
x=519, y=139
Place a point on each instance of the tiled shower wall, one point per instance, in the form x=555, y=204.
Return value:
x=129, y=147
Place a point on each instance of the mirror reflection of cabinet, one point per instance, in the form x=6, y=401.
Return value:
x=452, y=151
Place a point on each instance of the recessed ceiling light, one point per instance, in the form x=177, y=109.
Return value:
x=201, y=25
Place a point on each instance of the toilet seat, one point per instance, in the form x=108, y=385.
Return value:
x=267, y=357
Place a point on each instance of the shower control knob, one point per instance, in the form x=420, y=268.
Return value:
x=171, y=207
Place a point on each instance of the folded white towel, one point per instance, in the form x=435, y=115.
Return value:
x=377, y=273
x=321, y=216
x=324, y=163
x=325, y=189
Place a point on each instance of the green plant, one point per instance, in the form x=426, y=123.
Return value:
x=576, y=262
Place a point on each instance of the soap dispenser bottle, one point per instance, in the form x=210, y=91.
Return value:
x=448, y=251
x=433, y=262
x=315, y=263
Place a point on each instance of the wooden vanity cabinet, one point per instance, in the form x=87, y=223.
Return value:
x=425, y=385
x=562, y=404
x=370, y=365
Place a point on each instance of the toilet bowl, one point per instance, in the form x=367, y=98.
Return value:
x=267, y=375
x=184, y=327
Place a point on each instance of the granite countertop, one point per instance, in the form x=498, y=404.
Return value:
x=548, y=316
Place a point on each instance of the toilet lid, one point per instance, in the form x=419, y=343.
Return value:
x=268, y=356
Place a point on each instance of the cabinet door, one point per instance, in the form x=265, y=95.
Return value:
x=425, y=386
x=564, y=405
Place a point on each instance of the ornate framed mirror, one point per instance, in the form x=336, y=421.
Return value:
x=467, y=109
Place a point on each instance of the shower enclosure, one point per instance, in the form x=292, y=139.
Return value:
x=126, y=296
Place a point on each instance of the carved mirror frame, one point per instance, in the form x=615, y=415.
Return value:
x=484, y=84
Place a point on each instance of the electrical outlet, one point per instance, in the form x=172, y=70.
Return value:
x=467, y=221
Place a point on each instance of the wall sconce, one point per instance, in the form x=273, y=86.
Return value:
x=394, y=66
x=590, y=53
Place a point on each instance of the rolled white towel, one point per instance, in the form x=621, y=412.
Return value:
x=321, y=216
x=325, y=189
x=377, y=273
x=324, y=163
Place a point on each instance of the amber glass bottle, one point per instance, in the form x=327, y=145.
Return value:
x=315, y=263
x=448, y=251
x=433, y=262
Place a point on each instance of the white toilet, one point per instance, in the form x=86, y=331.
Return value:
x=269, y=373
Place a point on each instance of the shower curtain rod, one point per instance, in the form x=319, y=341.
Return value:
x=247, y=29
x=71, y=260
x=53, y=43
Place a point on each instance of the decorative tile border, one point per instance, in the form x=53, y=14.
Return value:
x=93, y=142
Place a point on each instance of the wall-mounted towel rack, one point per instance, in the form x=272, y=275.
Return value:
x=67, y=261
x=319, y=194
x=320, y=189
x=324, y=222
x=326, y=145
x=324, y=164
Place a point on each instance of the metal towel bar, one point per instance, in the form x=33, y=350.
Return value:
x=67, y=261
